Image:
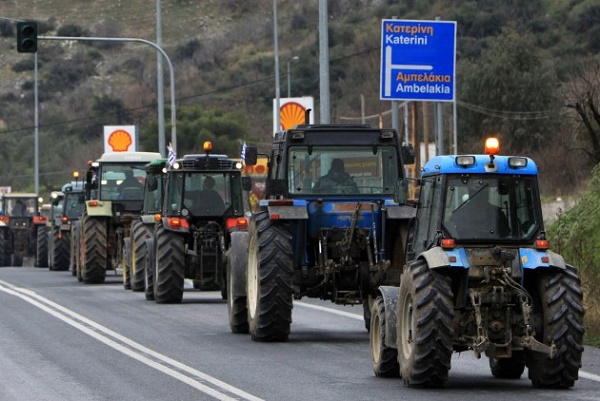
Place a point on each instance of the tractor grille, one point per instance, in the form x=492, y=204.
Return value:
x=20, y=223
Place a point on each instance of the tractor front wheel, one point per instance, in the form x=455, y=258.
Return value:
x=269, y=279
x=424, y=326
x=169, y=266
x=236, y=283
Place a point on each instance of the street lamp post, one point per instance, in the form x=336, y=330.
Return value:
x=289, y=80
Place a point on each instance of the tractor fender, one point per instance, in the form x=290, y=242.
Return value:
x=556, y=260
x=435, y=258
x=533, y=259
x=390, y=302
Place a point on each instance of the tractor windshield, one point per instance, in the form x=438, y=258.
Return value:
x=202, y=194
x=342, y=170
x=74, y=205
x=491, y=207
x=122, y=181
x=18, y=207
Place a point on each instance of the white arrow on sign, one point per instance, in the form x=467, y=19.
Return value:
x=389, y=66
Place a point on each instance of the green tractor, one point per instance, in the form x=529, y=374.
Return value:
x=114, y=198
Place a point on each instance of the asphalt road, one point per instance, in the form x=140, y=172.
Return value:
x=62, y=340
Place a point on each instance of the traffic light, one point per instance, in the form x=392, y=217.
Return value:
x=27, y=37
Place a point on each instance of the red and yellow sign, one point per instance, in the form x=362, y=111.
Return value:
x=120, y=138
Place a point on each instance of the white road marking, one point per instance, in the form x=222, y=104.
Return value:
x=192, y=377
x=582, y=374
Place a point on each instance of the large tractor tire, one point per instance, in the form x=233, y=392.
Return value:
x=126, y=263
x=41, y=250
x=508, y=368
x=383, y=357
x=169, y=266
x=76, y=250
x=425, y=331
x=94, y=252
x=237, y=257
x=560, y=305
x=60, y=249
x=4, y=251
x=269, y=279
x=140, y=232
x=149, y=270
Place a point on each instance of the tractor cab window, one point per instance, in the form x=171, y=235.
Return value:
x=122, y=182
x=153, y=199
x=491, y=207
x=20, y=207
x=74, y=205
x=342, y=170
x=200, y=194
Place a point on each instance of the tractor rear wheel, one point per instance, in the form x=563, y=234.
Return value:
x=236, y=283
x=383, y=357
x=425, y=326
x=60, y=249
x=269, y=279
x=126, y=263
x=74, y=247
x=94, y=252
x=140, y=232
x=4, y=252
x=149, y=270
x=560, y=304
x=41, y=249
x=169, y=267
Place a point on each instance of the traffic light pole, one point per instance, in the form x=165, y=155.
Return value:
x=163, y=151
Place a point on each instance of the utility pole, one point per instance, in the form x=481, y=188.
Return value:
x=324, y=62
x=159, y=84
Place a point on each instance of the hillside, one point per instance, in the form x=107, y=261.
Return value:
x=222, y=53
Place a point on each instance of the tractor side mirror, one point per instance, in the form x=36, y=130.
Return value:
x=408, y=154
x=251, y=155
x=246, y=183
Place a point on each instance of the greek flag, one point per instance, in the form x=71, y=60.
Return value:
x=244, y=152
x=171, y=157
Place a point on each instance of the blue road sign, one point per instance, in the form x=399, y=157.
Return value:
x=418, y=60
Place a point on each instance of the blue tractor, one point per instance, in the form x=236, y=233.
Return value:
x=327, y=228
x=479, y=276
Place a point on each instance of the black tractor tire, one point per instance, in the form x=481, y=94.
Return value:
x=126, y=263
x=425, y=330
x=149, y=270
x=94, y=251
x=269, y=279
x=236, y=259
x=74, y=244
x=508, y=368
x=41, y=249
x=60, y=250
x=4, y=251
x=140, y=232
x=384, y=358
x=169, y=266
x=560, y=304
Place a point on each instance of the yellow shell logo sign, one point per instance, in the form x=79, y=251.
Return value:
x=120, y=141
x=291, y=114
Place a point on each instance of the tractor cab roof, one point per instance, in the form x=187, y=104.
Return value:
x=480, y=164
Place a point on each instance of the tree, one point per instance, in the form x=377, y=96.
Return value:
x=582, y=95
x=509, y=91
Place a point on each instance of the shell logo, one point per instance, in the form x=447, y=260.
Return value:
x=291, y=114
x=120, y=141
